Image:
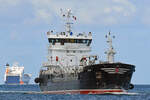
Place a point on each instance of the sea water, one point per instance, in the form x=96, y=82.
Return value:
x=32, y=92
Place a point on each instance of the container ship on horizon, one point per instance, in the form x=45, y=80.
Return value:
x=14, y=75
x=71, y=69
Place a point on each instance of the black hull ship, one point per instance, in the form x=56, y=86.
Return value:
x=95, y=79
x=70, y=69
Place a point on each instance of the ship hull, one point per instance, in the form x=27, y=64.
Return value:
x=12, y=80
x=86, y=91
x=14, y=75
x=16, y=80
x=94, y=79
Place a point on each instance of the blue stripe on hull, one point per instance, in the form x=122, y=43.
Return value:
x=12, y=80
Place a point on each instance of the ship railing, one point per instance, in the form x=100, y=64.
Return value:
x=47, y=64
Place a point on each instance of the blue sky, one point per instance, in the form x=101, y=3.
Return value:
x=24, y=23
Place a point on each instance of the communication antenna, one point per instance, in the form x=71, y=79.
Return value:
x=110, y=52
x=68, y=22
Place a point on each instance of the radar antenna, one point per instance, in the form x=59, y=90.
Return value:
x=110, y=52
x=67, y=16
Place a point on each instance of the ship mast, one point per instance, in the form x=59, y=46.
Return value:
x=68, y=15
x=110, y=52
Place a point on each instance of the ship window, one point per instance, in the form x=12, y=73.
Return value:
x=66, y=40
x=74, y=51
x=89, y=42
x=67, y=51
x=75, y=40
x=57, y=40
x=53, y=41
x=80, y=41
x=69, y=40
x=62, y=41
x=72, y=40
x=85, y=41
x=50, y=40
x=48, y=76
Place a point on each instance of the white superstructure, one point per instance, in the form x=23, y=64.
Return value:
x=14, y=70
x=66, y=49
x=15, y=75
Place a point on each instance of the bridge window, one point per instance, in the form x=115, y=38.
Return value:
x=72, y=40
x=85, y=41
x=67, y=51
x=57, y=40
x=89, y=42
x=62, y=41
x=53, y=41
x=48, y=76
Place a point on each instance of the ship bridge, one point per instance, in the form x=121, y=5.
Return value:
x=67, y=48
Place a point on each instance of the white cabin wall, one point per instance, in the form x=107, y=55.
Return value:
x=68, y=54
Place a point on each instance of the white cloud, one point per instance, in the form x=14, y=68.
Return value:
x=88, y=11
x=146, y=15
x=7, y=3
x=14, y=35
x=105, y=12
x=41, y=15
